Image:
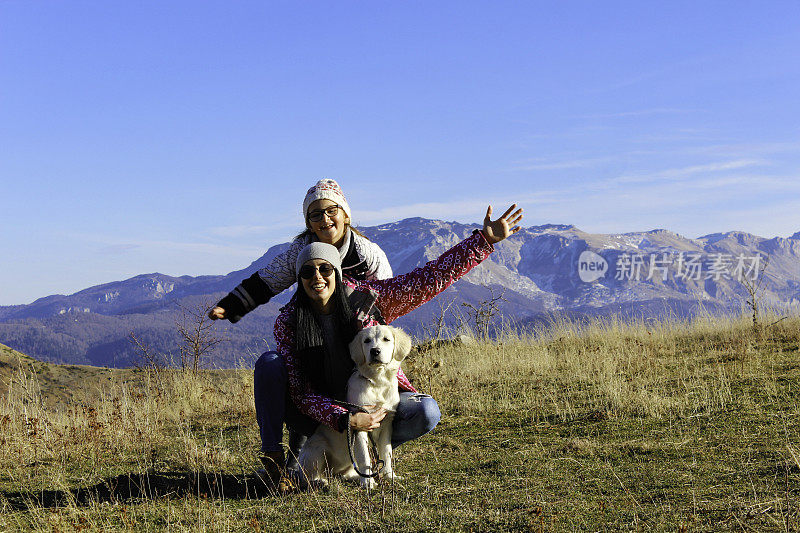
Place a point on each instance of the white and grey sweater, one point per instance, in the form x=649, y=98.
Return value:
x=362, y=259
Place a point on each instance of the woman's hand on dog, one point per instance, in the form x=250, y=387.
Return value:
x=497, y=230
x=368, y=421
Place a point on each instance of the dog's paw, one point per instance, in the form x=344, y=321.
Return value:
x=368, y=483
x=319, y=483
x=351, y=475
x=393, y=476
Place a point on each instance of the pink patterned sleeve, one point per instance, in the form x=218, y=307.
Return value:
x=397, y=296
x=310, y=402
x=402, y=294
x=403, y=383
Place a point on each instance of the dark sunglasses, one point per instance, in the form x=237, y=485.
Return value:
x=308, y=271
x=316, y=216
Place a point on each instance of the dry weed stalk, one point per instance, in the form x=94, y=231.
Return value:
x=197, y=335
x=150, y=420
x=755, y=290
x=484, y=314
x=132, y=423
x=605, y=367
x=438, y=326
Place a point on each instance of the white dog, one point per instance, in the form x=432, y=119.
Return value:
x=377, y=352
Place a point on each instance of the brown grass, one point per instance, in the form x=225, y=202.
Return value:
x=600, y=425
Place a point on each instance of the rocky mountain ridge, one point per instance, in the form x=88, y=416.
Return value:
x=539, y=270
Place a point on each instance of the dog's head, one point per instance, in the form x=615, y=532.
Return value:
x=380, y=346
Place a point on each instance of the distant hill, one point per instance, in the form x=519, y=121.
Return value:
x=536, y=271
x=40, y=381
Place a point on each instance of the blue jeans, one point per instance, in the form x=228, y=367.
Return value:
x=417, y=414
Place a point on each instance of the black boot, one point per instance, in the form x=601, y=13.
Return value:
x=296, y=441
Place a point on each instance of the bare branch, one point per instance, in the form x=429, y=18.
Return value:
x=150, y=360
x=755, y=293
x=198, y=339
x=483, y=314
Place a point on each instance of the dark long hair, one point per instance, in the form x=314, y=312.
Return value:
x=307, y=331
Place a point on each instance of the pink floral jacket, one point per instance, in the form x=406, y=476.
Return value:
x=396, y=297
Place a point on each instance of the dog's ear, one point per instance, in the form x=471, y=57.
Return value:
x=402, y=343
x=356, y=348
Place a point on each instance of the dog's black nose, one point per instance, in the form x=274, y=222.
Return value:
x=374, y=352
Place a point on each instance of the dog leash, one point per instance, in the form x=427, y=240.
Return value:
x=379, y=463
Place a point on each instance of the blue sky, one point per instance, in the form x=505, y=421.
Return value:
x=180, y=137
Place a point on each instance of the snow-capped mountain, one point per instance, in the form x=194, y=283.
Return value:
x=540, y=269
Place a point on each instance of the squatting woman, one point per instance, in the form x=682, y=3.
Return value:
x=315, y=327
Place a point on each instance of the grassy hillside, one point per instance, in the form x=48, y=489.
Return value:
x=51, y=384
x=607, y=426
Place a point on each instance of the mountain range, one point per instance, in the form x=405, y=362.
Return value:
x=539, y=271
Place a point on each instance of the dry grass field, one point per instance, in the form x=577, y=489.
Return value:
x=672, y=426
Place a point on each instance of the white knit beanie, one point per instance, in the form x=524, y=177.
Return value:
x=325, y=189
x=318, y=250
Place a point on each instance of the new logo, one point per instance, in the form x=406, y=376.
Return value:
x=591, y=266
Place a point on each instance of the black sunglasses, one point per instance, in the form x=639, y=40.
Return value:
x=316, y=216
x=308, y=271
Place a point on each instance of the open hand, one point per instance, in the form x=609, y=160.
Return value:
x=496, y=231
x=368, y=421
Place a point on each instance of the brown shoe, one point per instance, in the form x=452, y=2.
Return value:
x=275, y=475
x=286, y=485
x=273, y=466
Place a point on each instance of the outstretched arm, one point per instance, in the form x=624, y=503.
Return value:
x=248, y=295
x=402, y=294
x=259, y=288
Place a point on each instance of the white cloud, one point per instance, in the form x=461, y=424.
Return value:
x=750, y=149
x=202, y=248
x=438, y=210
x=114, y=249
x=751, y=182
x=665, y=198
x=776, y=219
x=640, y=113
x=683, y=173
x=466, y=210
x=560, y=165
x=240, y=231
x=157, y=246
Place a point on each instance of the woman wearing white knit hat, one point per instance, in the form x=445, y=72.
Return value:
x=326, y=198
x=327, y=217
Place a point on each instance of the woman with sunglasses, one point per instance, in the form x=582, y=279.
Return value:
x=314, y=329
x=327, y=217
